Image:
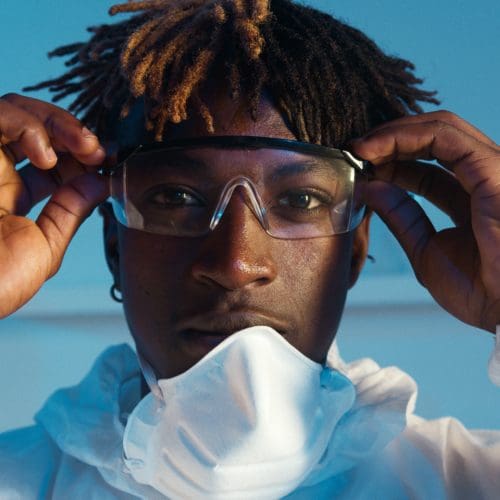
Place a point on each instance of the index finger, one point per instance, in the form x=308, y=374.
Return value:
x=474, y=163
x=66, y=133
x=441, y=116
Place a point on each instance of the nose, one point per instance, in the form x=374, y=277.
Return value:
x=238, y=252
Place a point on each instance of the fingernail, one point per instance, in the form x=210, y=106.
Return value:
x=88, y=134
x=50, y=154
x=99, y=154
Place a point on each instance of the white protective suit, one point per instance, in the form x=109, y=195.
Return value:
x=383, y=450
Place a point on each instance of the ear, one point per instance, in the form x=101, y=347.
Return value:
x=359, y=248
x=110, y=232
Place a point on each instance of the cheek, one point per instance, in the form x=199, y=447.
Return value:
x=310, y=287
x=153, y=269
x=316, y=275
x=318, y=264
x=149, y=257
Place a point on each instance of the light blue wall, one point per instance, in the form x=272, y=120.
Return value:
x=453, y=43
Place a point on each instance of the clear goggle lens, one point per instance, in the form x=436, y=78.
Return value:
x=183, y=188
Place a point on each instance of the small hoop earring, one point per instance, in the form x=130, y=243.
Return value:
x=371, y=258
x=116, y=293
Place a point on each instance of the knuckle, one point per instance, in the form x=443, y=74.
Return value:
x=446, y=113
x=441, y=125
x=32, y=127
x=10, y=97
x=448, y=117
x=32, y=130
x=50, y=125
x=19, y=118
x=61, y=123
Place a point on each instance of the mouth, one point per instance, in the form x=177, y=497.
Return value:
x=205, y=340
x=202, y=333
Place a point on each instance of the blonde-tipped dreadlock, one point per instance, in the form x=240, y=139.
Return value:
x=329, y=80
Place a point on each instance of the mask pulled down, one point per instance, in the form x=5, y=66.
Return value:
x=249, y=420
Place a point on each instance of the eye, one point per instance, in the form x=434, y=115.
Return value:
x=303, y=200
x=173, y=197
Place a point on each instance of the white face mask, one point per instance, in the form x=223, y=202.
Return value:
x=249, y=420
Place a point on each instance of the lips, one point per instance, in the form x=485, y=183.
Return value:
x=205, y=341
x=203, y=332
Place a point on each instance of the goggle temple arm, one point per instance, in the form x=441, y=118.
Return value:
x=361, y=166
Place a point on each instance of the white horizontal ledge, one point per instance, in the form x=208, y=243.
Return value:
x=388, y=291
x=63, y=300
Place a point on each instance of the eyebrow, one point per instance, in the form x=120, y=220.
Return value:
x=180, y=159
x=182, y=164
x=301, y=167
x=278, y=171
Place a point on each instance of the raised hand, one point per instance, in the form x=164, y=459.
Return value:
x=64, y=159
x=460, y=266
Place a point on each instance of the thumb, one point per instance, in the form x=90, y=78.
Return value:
x=403, y=216
x=65, y=211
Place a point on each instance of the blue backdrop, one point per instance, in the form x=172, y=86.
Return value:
x=453, y=43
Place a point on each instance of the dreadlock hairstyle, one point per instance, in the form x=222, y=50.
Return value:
x=328, y=79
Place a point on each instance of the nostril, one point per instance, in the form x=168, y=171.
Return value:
x=239, y=253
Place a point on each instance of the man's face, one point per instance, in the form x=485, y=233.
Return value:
x=183, y=295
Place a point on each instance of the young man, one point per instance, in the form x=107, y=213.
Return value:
x=235, y=231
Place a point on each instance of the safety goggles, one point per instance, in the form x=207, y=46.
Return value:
x=183, y=187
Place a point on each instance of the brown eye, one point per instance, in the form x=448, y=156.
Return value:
x=173, y=197
x=302, y=200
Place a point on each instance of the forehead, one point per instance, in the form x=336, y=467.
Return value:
x=230, y=117
x=204, y=164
